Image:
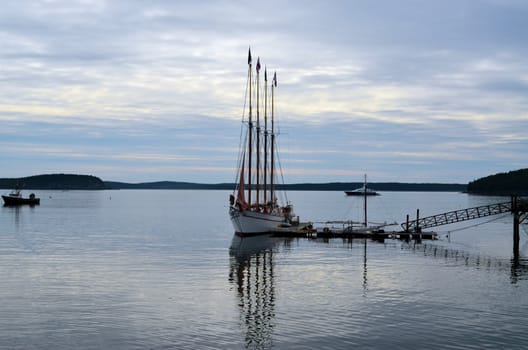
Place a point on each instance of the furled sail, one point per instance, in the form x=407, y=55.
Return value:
x=241, y=197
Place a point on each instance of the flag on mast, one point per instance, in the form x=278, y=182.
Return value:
x=258, y=64
x=275, y=79
x=249, y=56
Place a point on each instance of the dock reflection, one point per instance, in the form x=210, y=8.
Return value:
x=251, y=271
x=519, y=269
x=516, y=266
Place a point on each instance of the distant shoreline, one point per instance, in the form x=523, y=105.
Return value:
x=330, y=186
x=500, y=185
x=89, y=182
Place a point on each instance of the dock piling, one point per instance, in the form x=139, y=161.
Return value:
x=418, y=229
x=516, y=222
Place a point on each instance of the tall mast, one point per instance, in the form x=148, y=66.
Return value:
x=250, y=130
x=365, y=200
x=265, y=136
x=258, y=134
x=272, y=160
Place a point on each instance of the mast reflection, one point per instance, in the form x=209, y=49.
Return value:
x=251, y=271
x=365, y=279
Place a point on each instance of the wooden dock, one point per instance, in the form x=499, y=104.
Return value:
x=411, y=230
x=307, y=231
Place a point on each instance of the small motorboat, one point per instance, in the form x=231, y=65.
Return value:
x=15, y=198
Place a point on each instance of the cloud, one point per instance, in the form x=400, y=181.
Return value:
x=405, y=89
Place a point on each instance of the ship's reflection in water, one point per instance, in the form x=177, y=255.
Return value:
x=251, y=271
x=255, y=275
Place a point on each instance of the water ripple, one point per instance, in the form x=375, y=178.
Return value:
x=145, y=270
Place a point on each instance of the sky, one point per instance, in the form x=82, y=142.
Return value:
x=139, y=91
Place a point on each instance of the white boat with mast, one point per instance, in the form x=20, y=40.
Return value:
x=362, y=191
x=254, y=205
x=352, y=227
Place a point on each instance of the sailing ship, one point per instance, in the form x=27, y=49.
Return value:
x=255, y=207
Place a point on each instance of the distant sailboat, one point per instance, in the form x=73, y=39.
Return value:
x=254, y=205
x=362, y=191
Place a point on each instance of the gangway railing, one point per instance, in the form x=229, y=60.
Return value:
x=454, y=216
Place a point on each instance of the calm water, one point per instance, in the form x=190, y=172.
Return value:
x=162, y=270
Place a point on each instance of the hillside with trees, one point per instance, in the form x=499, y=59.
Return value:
x=54, y=182
x=513, y=182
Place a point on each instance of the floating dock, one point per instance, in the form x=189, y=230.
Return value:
x=308, y=231
x=411, y=229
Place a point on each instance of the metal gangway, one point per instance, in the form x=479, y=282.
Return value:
x=517, y=206
x=454, y=216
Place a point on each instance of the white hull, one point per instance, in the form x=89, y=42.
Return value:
x=247, y=222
